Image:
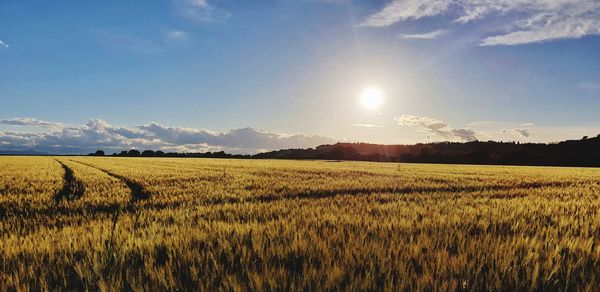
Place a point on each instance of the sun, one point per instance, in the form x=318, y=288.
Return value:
x=371, y=97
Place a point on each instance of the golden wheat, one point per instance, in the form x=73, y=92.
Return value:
x=295, y=225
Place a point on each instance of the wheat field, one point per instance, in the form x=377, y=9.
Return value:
x=92, y=223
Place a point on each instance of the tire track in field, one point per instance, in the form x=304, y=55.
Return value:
x=72, y=189
x=138, y=192
x=323, y=194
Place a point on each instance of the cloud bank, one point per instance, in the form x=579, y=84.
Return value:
x=200, y=11
x=367, y=125
x=423, y=36
x=3, y=45
x=526, y=21
x=29, y=122
x=523, y=132
x=437, y=127
x=99, y=134
x=176, y=35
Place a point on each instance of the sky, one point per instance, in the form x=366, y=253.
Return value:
x=256, y=75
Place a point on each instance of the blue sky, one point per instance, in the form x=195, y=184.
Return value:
x=247, y=76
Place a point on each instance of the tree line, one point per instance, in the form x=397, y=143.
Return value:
x=583, y=152
x=152, y=153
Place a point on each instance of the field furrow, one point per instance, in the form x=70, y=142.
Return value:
x=72, y=189
x=217, y=224
x=137, y=190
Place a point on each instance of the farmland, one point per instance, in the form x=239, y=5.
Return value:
x=159, y=223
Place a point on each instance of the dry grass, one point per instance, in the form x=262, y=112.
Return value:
x=295, y=225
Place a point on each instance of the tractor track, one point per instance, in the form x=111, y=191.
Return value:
x=72, y=189
x=138, y=192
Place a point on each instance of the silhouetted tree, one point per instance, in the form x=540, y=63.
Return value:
x=582, y=152
x=352, y=154
x=478, y=157
x=407, y=157
x=338, y=152
x=424, y=155
x=220, y=154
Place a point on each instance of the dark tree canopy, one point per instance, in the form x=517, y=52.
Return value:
x=584, y=152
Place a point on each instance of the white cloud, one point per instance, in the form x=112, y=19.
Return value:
x=237, y=138
x=523, y=132
x=3, y=45
x=99, y=134
x=367, y=125
x=423, y=36
x=406, y=9
x=31, y=122
x=176, y=35
x=526, y=21
x=519, y=132
x=437, y=127
x=530, y=132
x=200, y=11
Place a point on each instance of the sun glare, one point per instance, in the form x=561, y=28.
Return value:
x=371, y=97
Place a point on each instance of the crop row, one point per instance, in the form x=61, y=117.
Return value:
x=289, y=225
